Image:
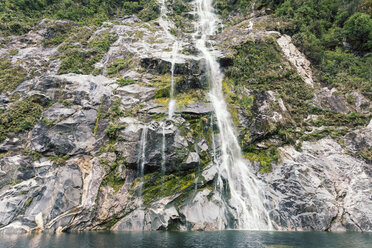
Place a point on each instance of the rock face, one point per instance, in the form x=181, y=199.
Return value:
x=102, y=153
x=321, y=188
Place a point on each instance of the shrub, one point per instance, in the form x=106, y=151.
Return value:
x=10, y=76
x=21, y=116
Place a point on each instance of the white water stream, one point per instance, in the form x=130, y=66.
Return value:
x=166, y=24
x=245, y=199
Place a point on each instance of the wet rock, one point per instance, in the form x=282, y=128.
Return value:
x=205, y=214
x=192, y=161
x=158, y=217
x=134, y=94
x=196, y=108
x=155, y=65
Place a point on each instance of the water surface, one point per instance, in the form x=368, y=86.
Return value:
x=228, y=239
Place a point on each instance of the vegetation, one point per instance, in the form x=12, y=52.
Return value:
x=225, y=7
x=114, y=176
x=335, y=35
x=112, y=130
x=264, y=156
x=21, y=116
x=157, y=186
x=124, y=82
x=59, y=160
x=10, y=76
x=258, y=67
x=19, y=16
x=81, y=60
x=114, y=69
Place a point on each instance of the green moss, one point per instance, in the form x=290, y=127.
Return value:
x=124, y=82
x=21, y=116
x=150, y=10
x=114, y=69
x=29, y=201
x=66, y=103
x=47, y=122
x=163, y=101
x=157, y=186
x=329, y=118
x=260, y=66
x=59, y=32
x=231, y=102
x=173, y=31
x=112, y=130
x=109, y=224
x=76, y=37
x=265, y=157
x=115, y=111
x=35, y=155
x=13, y=52
x=162, y=92
x=59, y=160
x=15, y=182
x=108, y=147
x=189, y=97
x=113, y=177
x=225, y=7
x=367, y=154
x=10, y=76
x=97, y=120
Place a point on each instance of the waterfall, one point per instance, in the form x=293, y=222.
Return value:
x=166, y=24
x=172, y=101
x=245, y=200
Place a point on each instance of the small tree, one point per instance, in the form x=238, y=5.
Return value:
x=358, y=31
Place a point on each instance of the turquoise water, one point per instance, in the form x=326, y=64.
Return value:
x=228, y=239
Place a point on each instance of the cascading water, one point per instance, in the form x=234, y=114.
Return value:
x=245, y=200
x=166, y=24
x=172, y=101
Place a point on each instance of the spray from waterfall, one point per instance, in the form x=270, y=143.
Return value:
x=245, y=199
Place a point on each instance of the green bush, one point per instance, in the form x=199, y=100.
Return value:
x=358, y=31
x=114, y=69
x=21, y=116
x=124, y=82
x=10, y=76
